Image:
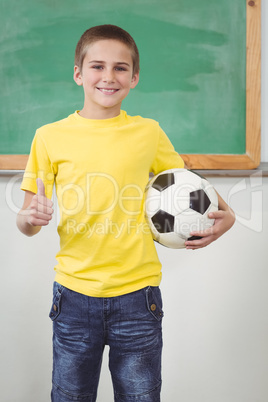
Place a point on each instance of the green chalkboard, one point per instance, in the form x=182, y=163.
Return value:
x=193, y=68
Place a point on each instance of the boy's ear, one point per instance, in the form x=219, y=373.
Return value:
x=135, y=80
x=78, y=76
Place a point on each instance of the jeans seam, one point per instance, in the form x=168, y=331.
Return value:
x=143, y=394
x=77, y=397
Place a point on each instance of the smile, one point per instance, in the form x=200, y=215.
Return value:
x=107, y=91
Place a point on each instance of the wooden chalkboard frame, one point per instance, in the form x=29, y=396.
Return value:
x=251, y=158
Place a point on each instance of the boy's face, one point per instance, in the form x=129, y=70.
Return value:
x=107, y=77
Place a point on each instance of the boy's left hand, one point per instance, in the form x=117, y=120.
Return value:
x=224, y=220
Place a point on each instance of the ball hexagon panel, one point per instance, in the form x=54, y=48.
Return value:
x=174, y=200
x=152, y=201
x=188, y=179
x=187, y=222
x=171, y=240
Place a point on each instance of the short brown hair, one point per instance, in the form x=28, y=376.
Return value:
x=107, y=31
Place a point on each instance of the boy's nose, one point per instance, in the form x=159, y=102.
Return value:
x=108, y=77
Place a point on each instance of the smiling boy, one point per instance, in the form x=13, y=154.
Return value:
x=107, y=76
x=106, y=289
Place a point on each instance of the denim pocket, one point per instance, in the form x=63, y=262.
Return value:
x=56, y=303
x=154, y=302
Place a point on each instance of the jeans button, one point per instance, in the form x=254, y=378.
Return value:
x=55, y=307
x=153, y=307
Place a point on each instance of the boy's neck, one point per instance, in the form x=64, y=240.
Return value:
x=106, y=113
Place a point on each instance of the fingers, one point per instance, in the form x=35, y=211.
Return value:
x=206, y=237
x=223, y=221
x=196, y=244
x=205, y=233
x=40, y=210
x=216, y=214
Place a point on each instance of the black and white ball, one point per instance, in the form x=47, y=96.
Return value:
x=177, y=203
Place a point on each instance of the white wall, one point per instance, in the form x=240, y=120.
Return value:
x=215, y=300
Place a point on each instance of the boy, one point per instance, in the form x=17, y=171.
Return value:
x=106, y=289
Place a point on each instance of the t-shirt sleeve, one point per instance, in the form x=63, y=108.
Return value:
x=38, y=166
x=166, y=157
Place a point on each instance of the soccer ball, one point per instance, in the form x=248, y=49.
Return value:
x=177, y=202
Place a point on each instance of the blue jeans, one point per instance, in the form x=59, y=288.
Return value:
x=131, y=325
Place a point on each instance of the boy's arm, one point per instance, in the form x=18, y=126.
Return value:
x=36, y=211
x=224, y=220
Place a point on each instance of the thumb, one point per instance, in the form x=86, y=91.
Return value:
x=40, y=187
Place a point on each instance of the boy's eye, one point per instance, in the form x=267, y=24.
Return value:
x=97, y=67
x=120, y=68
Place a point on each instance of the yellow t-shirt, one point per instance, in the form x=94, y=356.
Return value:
x=100, y=169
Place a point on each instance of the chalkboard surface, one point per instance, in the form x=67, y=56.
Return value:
x=193, y=70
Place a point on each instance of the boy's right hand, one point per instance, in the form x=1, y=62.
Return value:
x=40, y=209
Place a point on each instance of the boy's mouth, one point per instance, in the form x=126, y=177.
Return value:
x=108, y=91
